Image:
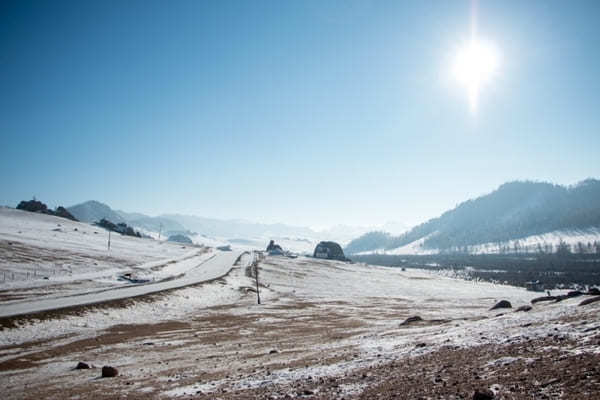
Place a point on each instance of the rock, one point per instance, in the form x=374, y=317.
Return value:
x=273, y=351
x=484, y=394
x=574, y=293
x=33, y=206
x=329, y=251
x=544, y=298
x=274, y=249
x=39, y=207
x=412, y=319
x=82, y=365
x=594, y=291
x=524, y=308
x=109, y=372
x=502, y=304
x=418, y=345
x=63, y=213
x=273, y=246
x=590, y=300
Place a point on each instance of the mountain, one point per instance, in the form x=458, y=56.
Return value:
x=515, y=210
x=239, y=228
x=153, y=224
x=93, y=211
x=224, y=230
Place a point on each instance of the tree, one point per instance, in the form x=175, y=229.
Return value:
x=563, y=248
x=540, y=250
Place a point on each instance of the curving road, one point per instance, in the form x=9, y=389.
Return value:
x=210, y=269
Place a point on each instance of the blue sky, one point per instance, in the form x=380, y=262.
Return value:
x=305, y=112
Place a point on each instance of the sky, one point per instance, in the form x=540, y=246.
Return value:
x=311, y=113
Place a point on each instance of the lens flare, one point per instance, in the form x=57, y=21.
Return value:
x=475, y=65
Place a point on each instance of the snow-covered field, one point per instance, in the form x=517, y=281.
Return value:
x=37, y=246
x=322, y=326
x=51, y=263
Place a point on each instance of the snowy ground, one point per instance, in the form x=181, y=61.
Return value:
x=324, y=330
x=41, y=250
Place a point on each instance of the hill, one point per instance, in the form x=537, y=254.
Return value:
x=94, y=211
x=516, y=210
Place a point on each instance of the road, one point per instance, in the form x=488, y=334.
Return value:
x=210, y=269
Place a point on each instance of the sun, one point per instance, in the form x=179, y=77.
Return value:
x=475, y=64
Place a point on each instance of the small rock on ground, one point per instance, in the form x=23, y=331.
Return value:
x=502, y=304
x=109, y=372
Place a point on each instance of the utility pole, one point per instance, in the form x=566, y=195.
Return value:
x=159, y=231
x=108, y=240
x=255, y=265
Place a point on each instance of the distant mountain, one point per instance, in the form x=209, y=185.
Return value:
x=345, y=233
x=234, y=229
x=130, y=216
x=157, y=224
x=239, y=228
x=94, y=211
x=515, y=210
x=342, y=233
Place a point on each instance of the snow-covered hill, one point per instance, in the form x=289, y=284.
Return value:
x=516, y=211
x=584, y=240
x=63, y=263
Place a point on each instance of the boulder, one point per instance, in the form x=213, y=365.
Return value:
x=483, y=394
x=410, y=320
x=274, y=249
x=330, y=251
x=82, y=365
x=109, y=372
x=273, y=246
x=502, y=304
x=524, y=308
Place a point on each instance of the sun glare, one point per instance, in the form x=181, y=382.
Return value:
x=474, y=66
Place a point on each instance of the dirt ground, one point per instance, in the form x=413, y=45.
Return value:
x=291, y=347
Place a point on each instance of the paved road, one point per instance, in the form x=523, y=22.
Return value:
x=212, y=268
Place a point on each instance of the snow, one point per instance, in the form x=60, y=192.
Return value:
x=34, y=249
x=176, y=305
x=77, y=244
x=196, y=272
x=455, y=312
x=526, y=244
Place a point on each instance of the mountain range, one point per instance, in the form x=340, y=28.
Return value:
x=234, y=230
x=515, y=210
